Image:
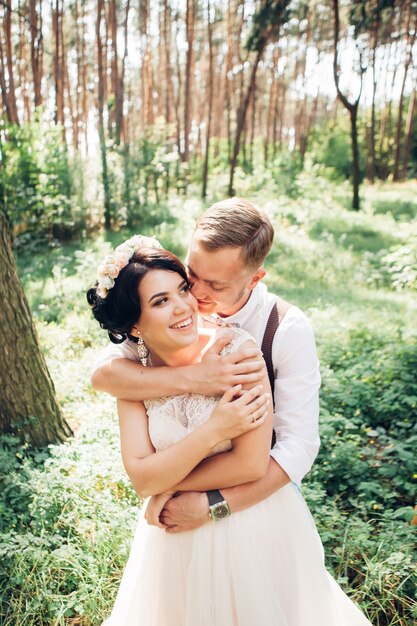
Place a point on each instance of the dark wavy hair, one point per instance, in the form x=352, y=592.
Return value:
x=121, y=309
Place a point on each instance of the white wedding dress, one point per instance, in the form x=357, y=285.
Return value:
x=263, y=566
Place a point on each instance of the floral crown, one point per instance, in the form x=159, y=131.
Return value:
x=110, y=268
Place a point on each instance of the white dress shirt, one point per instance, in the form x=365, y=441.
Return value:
x=297, y=383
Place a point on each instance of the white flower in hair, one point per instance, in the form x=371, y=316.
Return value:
x=110, y=268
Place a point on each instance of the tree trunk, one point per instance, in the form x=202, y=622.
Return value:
x=101, y=131
x=355, y=156
x=23, y=65
x=169, y=92
x=120, y=87
x=14, y=118
x=241, y=118
x=273, y=93
x=147, y=76
x=28, y=403
x=252, y=128
x=114, y=66
x=179, y=91
x=210, y=100
x=36, y=49
x=408, y=133
x=353, y=111
x=3, y=86
x=57, y=16
x=409, y=58
x=372, y=172
x=188, y=76
x=83, y=70
x=66, y=88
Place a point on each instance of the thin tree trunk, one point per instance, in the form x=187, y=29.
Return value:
x=252, y=127
x=78, y=87
x=241, y=118
x=22, y=72
x=372, y=173
x=169, y=92
x=36, y=49
x=188, y=76
x=101, y=79
x=178, y=95
x=66, y=87
x=353, y=111
x=14, y=118
x=146, y=83
x=27, y=399
x=409, y=58
x=408, y=133
x=273, y=94
x=210, y=100
x=58, y=71
x=83, y=70
x=114, y=66
x=3, y=86
x=120, y=92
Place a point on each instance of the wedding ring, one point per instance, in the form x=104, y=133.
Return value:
x=253, y=417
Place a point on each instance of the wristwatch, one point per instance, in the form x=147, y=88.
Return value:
x=218, y=507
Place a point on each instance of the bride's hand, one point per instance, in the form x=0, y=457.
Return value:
x=238, y=412
x=155, y=507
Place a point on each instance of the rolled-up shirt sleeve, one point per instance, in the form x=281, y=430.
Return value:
x=296, y=394
x=125, y=350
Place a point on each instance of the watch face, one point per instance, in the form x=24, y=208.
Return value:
x=220, y=510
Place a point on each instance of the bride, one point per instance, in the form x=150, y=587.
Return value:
x=262, y=566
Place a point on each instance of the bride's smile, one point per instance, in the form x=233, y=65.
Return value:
x=168, y=319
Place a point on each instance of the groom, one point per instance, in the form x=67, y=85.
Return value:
x=228, y=247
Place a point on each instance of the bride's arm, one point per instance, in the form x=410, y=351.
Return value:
x=152, y=473
x=247, y=461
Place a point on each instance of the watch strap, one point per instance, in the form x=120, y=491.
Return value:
x=214, y=497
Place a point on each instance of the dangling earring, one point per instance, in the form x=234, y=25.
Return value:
x=143, y=351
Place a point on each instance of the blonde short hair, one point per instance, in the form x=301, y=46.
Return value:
x=238, y=224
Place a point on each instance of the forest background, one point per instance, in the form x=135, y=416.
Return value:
x=121, y=117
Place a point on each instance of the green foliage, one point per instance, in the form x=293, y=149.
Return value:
x=331, y=146
x=66, y=528
x=395, y=268
x=369, y=399
x=68, y=513
x=36, y=182
x=266, y=23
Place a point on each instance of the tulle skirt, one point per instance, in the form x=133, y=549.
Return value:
x=263, y=566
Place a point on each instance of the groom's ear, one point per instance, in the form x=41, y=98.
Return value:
x=259, y=274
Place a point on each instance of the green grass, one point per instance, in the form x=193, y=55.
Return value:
x=69, y=513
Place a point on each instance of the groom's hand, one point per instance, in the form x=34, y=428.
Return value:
x=219, y=373
x=186, y=511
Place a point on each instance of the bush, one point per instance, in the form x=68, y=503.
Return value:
x=369, y=398
x=36, y=183
x=67, y=524
x=331, y=146
x=395, y=268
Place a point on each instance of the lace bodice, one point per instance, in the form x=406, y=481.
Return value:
x=172, y=418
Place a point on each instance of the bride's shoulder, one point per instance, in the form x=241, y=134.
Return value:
x=239, y=337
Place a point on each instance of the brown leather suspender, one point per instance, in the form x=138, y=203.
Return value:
x=275, y=317
x=269, y=334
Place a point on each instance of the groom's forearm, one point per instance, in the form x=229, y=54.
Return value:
x=189, y=510
x=243, y=496
x=129, y=380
